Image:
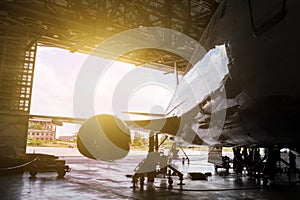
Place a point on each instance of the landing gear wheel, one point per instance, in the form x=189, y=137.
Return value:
x=33, y=172
x=61, y=172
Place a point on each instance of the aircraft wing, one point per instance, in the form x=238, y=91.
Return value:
x=57, y=120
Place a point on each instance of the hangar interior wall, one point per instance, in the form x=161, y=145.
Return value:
x=16, y=78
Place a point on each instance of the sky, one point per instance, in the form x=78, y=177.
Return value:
x=62, y=79
x=56, y=74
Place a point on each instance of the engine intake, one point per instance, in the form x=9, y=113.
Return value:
x=104, y=137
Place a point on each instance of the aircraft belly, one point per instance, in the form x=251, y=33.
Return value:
x=266, y=121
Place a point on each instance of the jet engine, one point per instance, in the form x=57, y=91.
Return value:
x=104, y=137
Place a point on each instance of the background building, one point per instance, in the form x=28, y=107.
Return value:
x=41, y=129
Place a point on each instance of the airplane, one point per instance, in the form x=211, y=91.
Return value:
x=254, y=104
x=259, y=44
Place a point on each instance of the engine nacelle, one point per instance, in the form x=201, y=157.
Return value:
x=103, y=137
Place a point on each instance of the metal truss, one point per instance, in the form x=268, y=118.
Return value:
x=80, y=25
x=16, y=75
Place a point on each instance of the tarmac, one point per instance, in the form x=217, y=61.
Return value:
x=90, y=179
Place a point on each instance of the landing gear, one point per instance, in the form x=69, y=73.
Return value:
x=263, y=170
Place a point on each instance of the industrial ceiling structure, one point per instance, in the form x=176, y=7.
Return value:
x=80, y=25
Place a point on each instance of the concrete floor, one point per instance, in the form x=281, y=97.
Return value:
x=91, y=179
